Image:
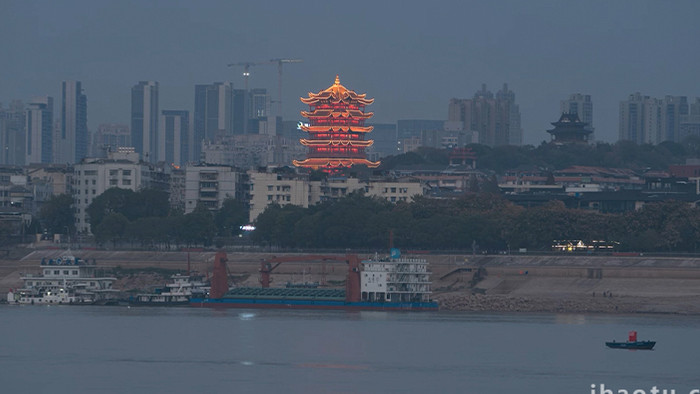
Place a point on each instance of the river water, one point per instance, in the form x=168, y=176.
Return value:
x=79, y=349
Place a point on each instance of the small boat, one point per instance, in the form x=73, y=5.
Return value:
x=178, y=292
x=639, y=345
x=632, y=343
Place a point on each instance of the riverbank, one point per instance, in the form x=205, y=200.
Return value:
x=557, y=284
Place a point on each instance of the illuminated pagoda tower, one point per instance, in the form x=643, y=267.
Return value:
x=336, y=129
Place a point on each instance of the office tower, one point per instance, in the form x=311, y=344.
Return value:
x=39, y=126
x=109, y=137
x=259, y=111
x=241, y=109
x=641, y=120
x=144, y=120
x=72, y=142
x=173, y=135
x=385, y=140
x=508, y=130
x=408, y=128
x=673, y=109
x=690, y=124
x=12, y=134
x=212, y=110
x=213, y=113
x=581, y=105
x=496, y=119
x=649, y=120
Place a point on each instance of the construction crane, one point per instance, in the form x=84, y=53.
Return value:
x=270, y=264
x=280, y=62
x=246, y=69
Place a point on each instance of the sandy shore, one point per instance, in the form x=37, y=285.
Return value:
x=550, y=284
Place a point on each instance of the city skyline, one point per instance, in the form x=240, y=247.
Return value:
x=413, y=60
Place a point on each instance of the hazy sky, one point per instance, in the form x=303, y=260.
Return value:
x=411, y=56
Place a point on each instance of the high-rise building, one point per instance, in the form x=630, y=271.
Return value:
x=649, y=120
x=508, y=129
x=407, y=128
x=251, y=113
x=213, y=112
x=582, y=106
x=144, y=120
x=632, y=120
x=109, y=137
x=673, y=109
x=690, y=124
x=259, y=119
x=496, y=120
x=385, y=140
x=241, y=104
x=39, y=126
x=73, y=140
x=174, y=137
x=12, y=134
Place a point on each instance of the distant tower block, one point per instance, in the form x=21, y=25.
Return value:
x=336, y=129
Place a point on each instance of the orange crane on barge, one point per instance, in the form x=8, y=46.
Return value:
x=219, y=283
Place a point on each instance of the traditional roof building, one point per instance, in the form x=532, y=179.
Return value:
x=569, y=130
x=336, y=129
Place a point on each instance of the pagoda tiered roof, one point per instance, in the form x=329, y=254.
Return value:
x=337, y=131
x=329, y=113
x=307, y=142
x=354, y=129
x=318, y=162
x=337, y=93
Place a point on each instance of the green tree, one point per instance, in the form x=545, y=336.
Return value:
x=232, y=215
x=148, y=203
x=114, y=200
x=199, y=227
x=111, y=228
x=56, y=214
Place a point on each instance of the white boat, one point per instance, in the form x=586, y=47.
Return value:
x=177, y=292
x=64, y=280
x=55, y=296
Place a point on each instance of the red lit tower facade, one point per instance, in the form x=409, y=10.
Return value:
x=336, y=129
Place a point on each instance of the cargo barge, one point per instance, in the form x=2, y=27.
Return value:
x=398, y=284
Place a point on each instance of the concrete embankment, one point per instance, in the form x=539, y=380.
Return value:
x=460, y=282
x=614, y=284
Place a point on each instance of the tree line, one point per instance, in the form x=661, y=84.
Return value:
x=144, y=218
x=476, y=222
x=623, y=154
